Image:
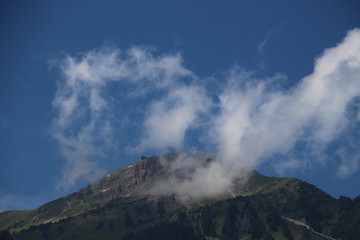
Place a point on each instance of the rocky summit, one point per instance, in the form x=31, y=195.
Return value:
x=124, y=205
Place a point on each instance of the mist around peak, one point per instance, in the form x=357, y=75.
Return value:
x=246, y=119
x=194, y=177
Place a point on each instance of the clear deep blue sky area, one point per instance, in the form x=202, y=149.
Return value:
x=87, y=87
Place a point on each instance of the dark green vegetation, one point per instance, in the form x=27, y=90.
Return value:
x=119, y=207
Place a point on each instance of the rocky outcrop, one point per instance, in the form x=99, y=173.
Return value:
x=130, y=181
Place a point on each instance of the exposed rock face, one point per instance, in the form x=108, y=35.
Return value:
x=133, y=180
x=121, y=201
x=118, y=206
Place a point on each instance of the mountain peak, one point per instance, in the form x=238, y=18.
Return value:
x=142, y=178
x=149, y=192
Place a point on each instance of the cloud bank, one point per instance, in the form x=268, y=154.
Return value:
x=84, y=122
x=247, y=120
x=258, y=120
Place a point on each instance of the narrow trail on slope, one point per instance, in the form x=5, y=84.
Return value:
x=307, y=226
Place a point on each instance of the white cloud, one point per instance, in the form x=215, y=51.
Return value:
x=252, y=120
x=169, y=118
x=349, y=162
x=269, y=35
x=256, y=122
x=83, y=126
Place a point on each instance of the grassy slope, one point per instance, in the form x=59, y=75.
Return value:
x=262, y=199
x=10, y=217
x=86, y=199
x=254, y=216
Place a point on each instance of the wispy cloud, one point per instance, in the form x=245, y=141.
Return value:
x=169, y=118
x=249, y=120
x=257, y=121
x=83, y=125
x=270, y=34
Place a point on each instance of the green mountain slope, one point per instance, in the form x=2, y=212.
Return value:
x=134, y=179
x=119, y=206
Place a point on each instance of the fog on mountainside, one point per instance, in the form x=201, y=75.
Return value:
x=123, y=205
x=247, y=120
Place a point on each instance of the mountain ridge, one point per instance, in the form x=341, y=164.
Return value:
x=124, y=198
x=133, y=179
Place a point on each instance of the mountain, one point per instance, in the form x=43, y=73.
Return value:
x=122, y=205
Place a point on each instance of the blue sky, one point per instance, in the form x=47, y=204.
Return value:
x=87, y=87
